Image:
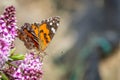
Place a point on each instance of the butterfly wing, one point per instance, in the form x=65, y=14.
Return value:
x=27, y=35
x=46, y=31
x=38, y=35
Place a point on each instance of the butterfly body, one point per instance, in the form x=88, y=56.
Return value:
x=38, y=35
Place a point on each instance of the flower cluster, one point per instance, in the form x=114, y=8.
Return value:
x=19, y=67
x=28, y=69
x=8, y=28
x=8, y=32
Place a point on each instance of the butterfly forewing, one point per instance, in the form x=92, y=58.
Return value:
x=47, y=30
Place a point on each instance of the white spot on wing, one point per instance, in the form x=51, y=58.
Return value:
x=57, y=24
x=53, y=30
x=51, y=23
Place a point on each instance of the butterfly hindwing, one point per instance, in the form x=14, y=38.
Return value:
x=26, y=34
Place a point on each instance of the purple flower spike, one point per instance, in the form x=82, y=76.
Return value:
x=28, y=69
x=10, y=22
x=8, y=32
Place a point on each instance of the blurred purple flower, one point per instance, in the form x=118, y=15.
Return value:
x=3, y=52
x=8, y=32
x=8, y=28
x=28, y=69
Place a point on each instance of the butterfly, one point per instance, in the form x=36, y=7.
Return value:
x=39, y=35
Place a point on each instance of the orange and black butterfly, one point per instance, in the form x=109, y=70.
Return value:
x=38, y=35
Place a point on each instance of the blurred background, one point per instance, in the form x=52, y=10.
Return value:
x=87, y=43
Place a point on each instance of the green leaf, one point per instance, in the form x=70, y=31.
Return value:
x=17, y=57
x=12, y=51
x=4, y=77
